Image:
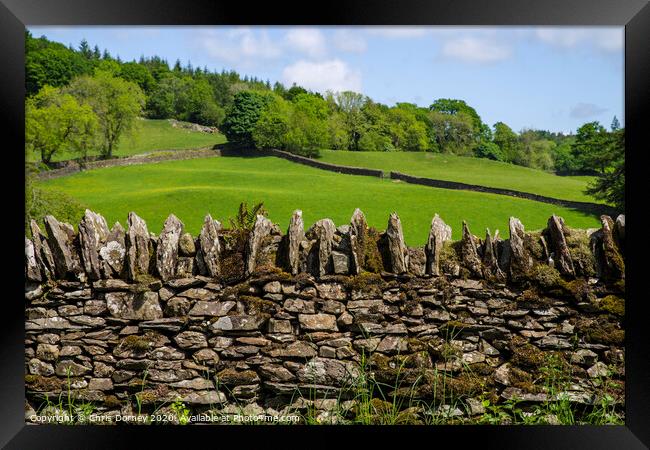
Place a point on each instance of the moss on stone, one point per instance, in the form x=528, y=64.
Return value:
x=449, y=256
x=241, y=289
x=268, y=271
x=577, y=289
x=526, y=354
x=112, y=401
x=465, y=385
x=613, y=304
x=546, y=276
x=372, y=260
x=233, y=377
x=256, y=305
x=145, y=279
x=523, y=380
x=578, y=242
x=365, y=282
x=601, y=331
x=416, y=345
x=443, y=285
x=41, y=383
x=394, y=370
x=529, y=296
x=482, y=369
x=533, y=244
x=147, y=397
x=136, y=343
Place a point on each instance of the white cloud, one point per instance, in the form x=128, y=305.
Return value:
x=586, y=110
x=399, y=31
x=321, y=76
x=307, y=40
x=606, y=39
x=349, y=41
x=239, y=45
x=476, y=50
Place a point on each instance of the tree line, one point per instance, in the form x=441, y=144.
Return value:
x=83, y=99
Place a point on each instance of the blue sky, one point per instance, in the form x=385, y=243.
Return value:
x=554, y=78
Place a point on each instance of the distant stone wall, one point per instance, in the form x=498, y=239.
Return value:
x=589, y=207
x=305, y=161
x=594, y=208
x=65, y=168
x=277, y=323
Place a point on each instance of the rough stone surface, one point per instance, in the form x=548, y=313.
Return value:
x=561, y=254
x=202, y=308
x=319, y=257
x=192, y=340
x=113, y=251
x=260, y=231
x=137, y=246
x=620, y=230
x=397, y=252
x=327, y=371
x=612, y=265
x=238, y=323
x=32, y=270
x=209, y=248
x=469, y=253
x=186, y=246
x=274, y=336
x=42, y=252
x=340, y=264
x=63, y=251
x=93, y=232
x=358, y=233
x=490, y=262
x=295, y=235
x=318, y=322
x=439, y=233
x=520, y=260
x=167, y=248
x=136, y=306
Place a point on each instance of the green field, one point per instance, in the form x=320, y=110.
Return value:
x=153, y=135
x=192, y=188
x=477, y=171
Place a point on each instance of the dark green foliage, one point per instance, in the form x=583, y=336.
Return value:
x=242, y=116
x=590, y=147
x=563, y=158
x=184, y=98
x=138, y=74
x=246, y=217
x=506, y=140
x=454, y=107
x=39, y=203
x=610, y=186
x=51, y=63
x=534, y=152
x=489, y=150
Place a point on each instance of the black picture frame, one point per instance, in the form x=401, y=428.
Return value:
x=633, y=14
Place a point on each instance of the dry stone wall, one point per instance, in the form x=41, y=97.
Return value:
x=278, y=322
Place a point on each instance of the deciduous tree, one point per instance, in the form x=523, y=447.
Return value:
x=116, y=102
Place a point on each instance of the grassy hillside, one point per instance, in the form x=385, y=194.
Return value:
x=153, y=135
x=467, y=170
x=192, y=188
